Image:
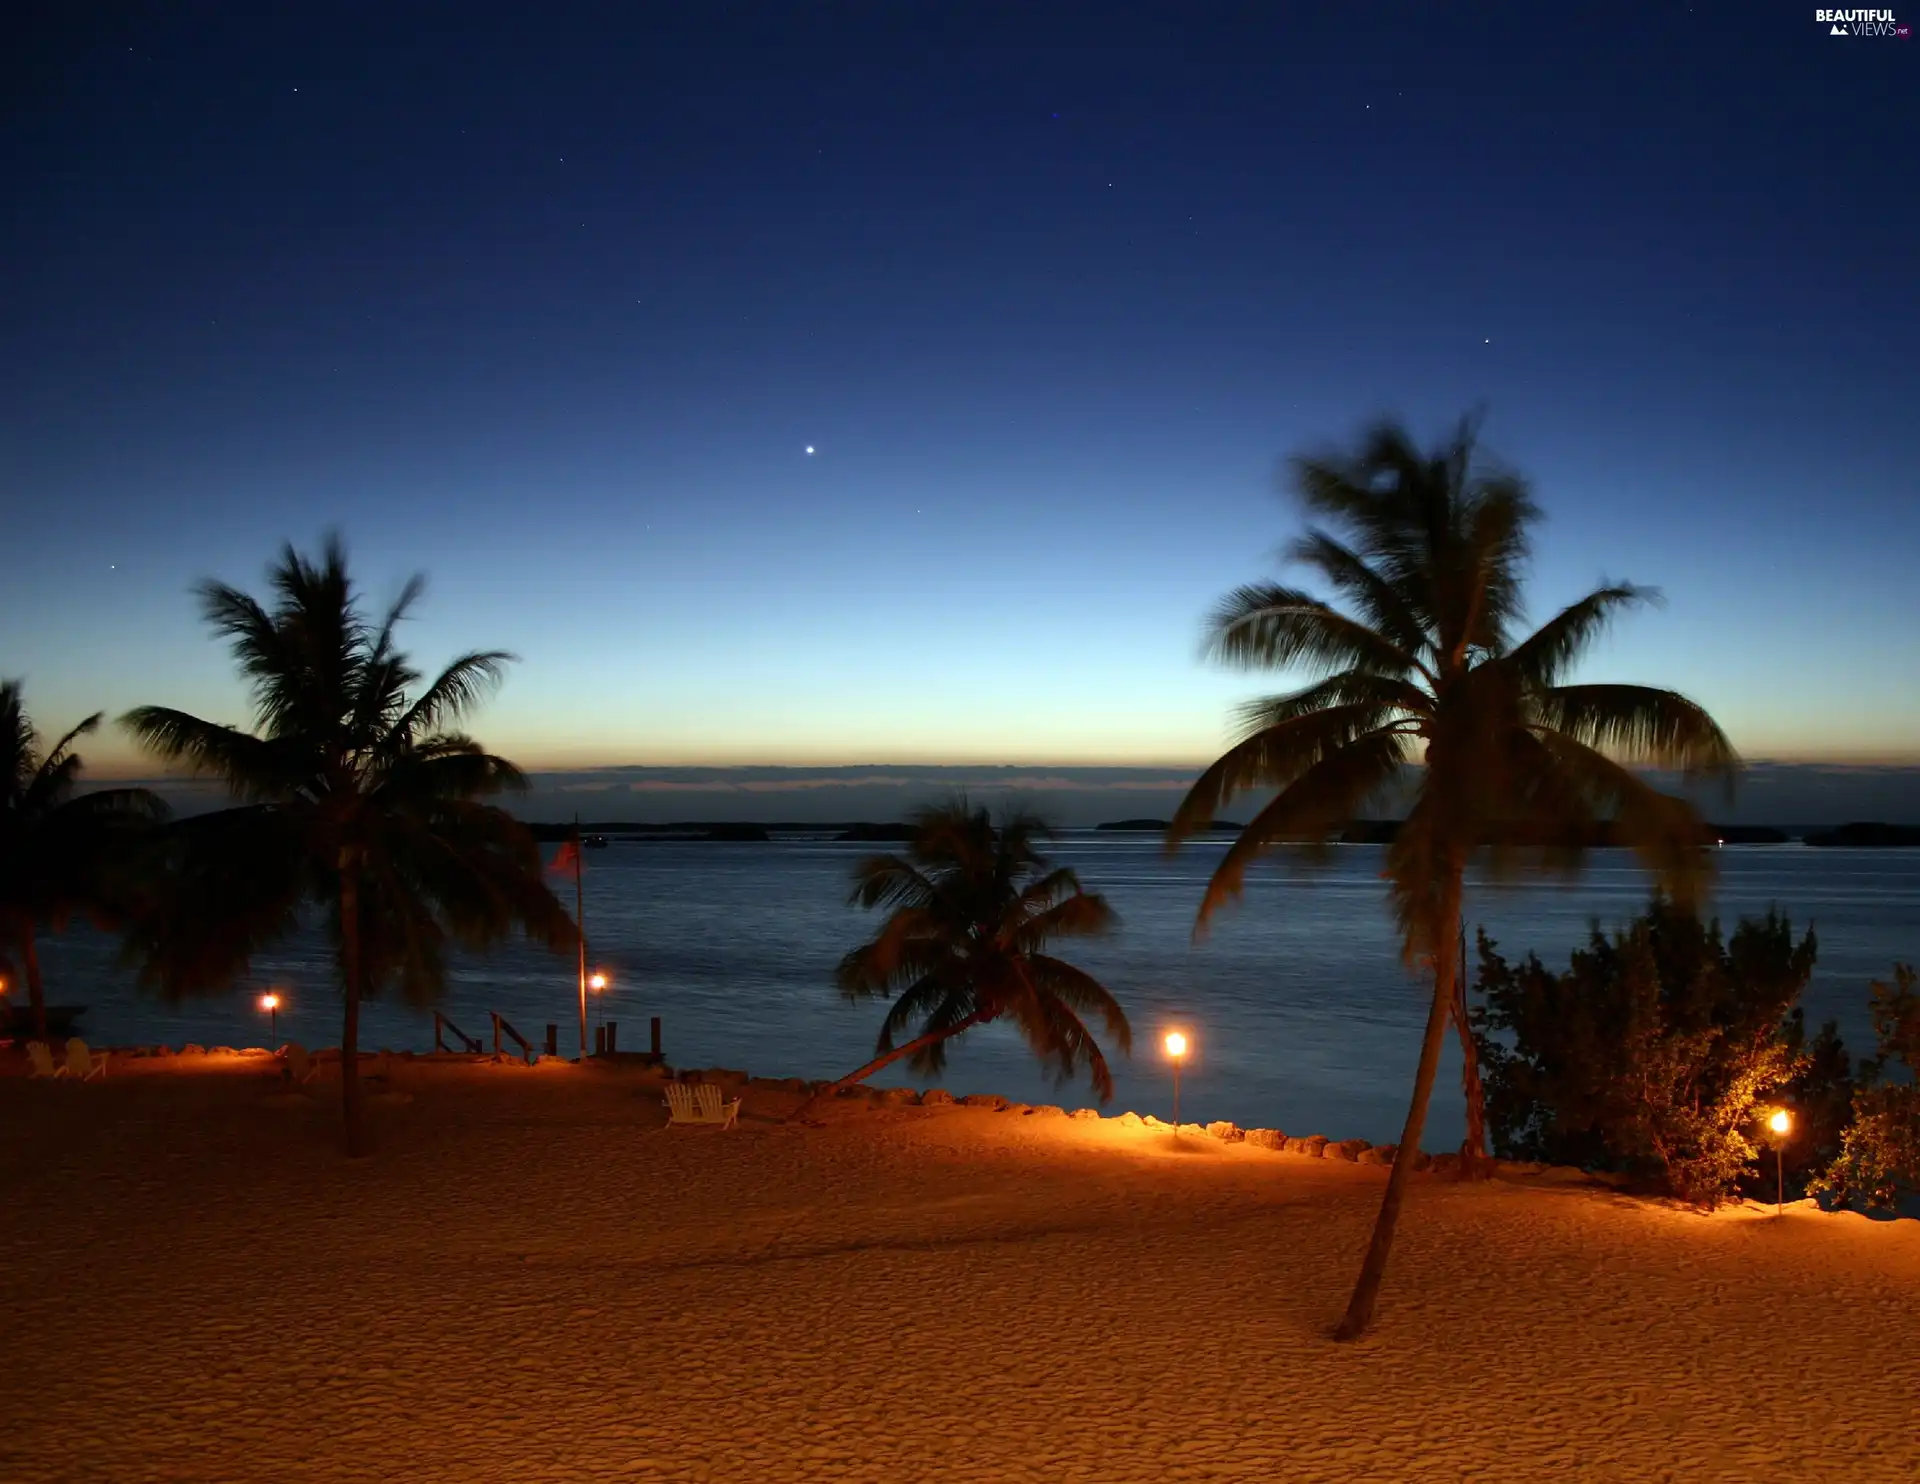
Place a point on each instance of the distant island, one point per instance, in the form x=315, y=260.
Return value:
x=733, y=831
x=1603, y=836
x=1159, y=826
x=1385, y=831
x=1868, y=836
x=1857, y=835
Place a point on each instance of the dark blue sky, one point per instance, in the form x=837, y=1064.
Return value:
x=551, y=304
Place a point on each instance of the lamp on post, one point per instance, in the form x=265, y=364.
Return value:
x=1176, y=1044
x=1781, y=1123
x=597, y=982
x=271, y=1004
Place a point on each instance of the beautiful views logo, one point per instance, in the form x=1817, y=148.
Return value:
x=1861, y=23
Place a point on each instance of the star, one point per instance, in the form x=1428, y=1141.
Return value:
x=809, y=450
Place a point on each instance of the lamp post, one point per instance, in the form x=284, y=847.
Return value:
x=597, y=982
x=271, y=1004
x=1176, y=1045
x=1781, y=1123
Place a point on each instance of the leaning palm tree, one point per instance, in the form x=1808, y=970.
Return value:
x=60, y=852
x=974, y=910
x=353, y=795
x=1422, y=665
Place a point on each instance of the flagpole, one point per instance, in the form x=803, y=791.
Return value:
x=580, y=920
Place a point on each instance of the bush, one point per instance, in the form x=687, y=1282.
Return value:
x=1879, y=1157
x=1655, y=1052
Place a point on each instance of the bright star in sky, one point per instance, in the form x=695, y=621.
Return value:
x=809, y=448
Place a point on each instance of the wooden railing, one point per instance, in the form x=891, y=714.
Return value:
x=441, y=1025
x=500, y=1027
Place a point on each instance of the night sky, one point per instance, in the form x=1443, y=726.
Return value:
x=552, y=305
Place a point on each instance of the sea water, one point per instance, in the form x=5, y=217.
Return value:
x=1297, y=1007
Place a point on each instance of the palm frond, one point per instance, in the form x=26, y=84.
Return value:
x=906, y=948
x=888, y=881
x=247, y=764
x=1380, y=604
x=1640, y=724
x=1080, y=914
x=1665, y=832
x=1386, y=695
x=1319, y=800
x=1543, y=656
x=454, y=693
x=1080, y=991
x=1273, y=758
x=231, y=884
x=114, y=806
x=949, y=1011
x=1266, y=626
x=932, y=1001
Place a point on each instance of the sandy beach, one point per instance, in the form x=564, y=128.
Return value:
x=530, y=1281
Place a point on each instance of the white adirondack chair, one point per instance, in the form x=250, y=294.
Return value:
x=40, y=1062
x=699, y=1102
x=299, y=1065
x=82, y=1064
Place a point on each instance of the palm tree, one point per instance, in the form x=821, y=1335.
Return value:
x=974, y=909
x=352, y=795
x=1520, y=769
x=60, y=852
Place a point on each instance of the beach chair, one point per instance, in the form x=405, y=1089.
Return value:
x=297, y=1067
x=82, y=1064
x=699, y=1102
x=40, y=1062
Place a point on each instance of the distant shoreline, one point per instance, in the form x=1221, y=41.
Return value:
x=1859, y=835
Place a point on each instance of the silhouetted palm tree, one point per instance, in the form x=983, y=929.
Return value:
x=1519, y=768
x=974, y=909
x=356, y=797
x=60, y=852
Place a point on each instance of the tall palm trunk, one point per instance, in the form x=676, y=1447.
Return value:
x=918, y=1043
x=36, y=990
x=350, y=985
x=1360, y=1306
x=1474, y=1150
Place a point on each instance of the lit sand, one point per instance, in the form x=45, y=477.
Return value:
x=527, y=1283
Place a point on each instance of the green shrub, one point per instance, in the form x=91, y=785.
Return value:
x=1879, y=1157
x=1658, y=1051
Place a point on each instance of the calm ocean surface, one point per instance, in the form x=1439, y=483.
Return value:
x=1301, y=1015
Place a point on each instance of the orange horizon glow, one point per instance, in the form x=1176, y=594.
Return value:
x=123, y=766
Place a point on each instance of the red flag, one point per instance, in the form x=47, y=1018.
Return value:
x=566, y=861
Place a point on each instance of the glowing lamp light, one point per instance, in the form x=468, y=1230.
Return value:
x=597, y=982
x=269, y=1002
x=1176, y=1044
x=1780, y=1121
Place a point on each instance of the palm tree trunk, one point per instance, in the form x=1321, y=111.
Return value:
x=1474, y=1151
x=36, y=990
x=1360, y=1307
x=350, y=1030
x=919, y=1043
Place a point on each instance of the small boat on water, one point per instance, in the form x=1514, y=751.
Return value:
x=594, y=842
x=16, y=1021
